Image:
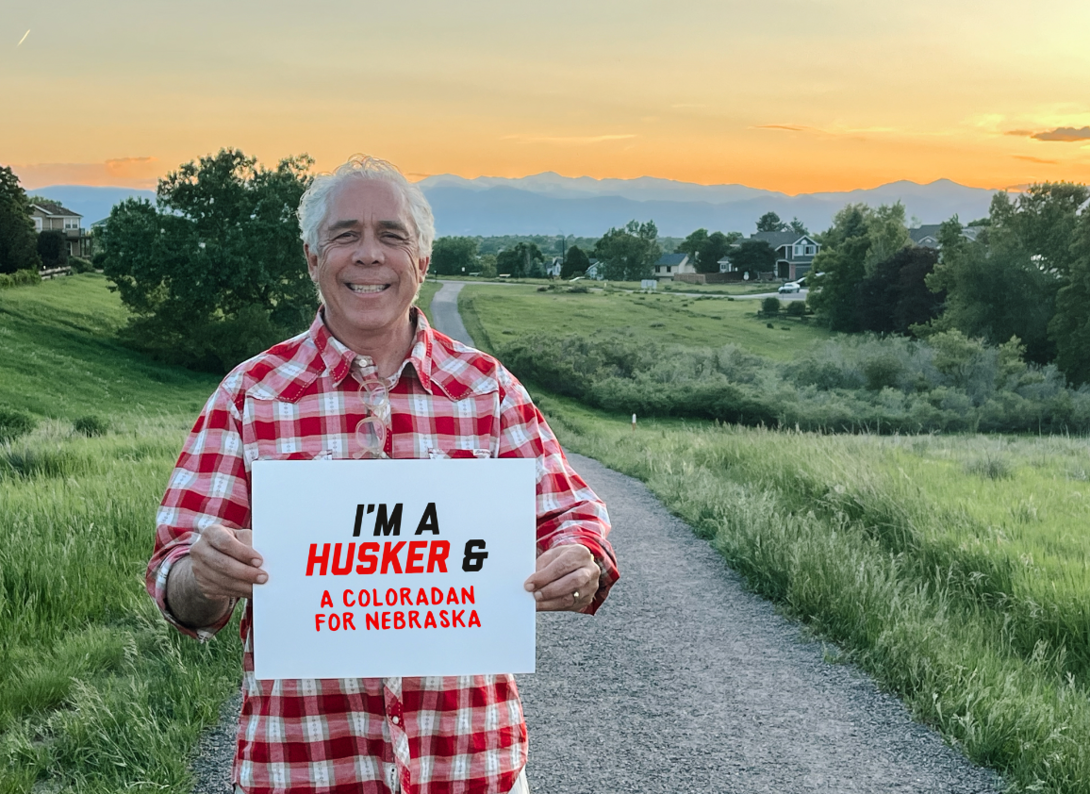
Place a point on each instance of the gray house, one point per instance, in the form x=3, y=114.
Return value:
x=794, y=253
x=670, y=265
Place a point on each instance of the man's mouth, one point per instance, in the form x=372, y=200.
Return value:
x=367, y=289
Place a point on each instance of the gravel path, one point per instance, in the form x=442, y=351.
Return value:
x=686, y=682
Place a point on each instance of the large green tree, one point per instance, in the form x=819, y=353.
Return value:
x=575, y=263
x=629, y=253
x=1070, y=325
x=215, y=272
x=1005, y=282
x=753, y=257
x=860, y=238
x=520, y=260
x=18, y=240
x=895, y=296
x=454, y=256
x=770, y=222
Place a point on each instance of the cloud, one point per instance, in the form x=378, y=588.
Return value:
x=1029, y=159
x=20, y=44
x=138, y=172
x=785, y=127
x=567, y=140
x=1020, y=133
x=1064, y=134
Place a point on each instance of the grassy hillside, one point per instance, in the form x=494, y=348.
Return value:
x=59, y=358
x=509, y=311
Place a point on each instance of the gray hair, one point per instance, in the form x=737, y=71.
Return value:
x=314, y=205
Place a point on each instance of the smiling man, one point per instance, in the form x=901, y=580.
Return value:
x=369, y=379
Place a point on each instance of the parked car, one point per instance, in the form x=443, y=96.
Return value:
x=790, y=286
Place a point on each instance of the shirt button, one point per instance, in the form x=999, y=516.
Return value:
x=396, y=720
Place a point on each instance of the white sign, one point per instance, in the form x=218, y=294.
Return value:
x=394, y=567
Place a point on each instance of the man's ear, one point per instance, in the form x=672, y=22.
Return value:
x=312, y=262
x=422, y=266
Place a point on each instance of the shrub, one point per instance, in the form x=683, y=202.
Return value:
x=26, y=278
x=796, y=309
x=859, y=384
x=6, y=281
x=91, y=426
x=14, y=423
x=80, y=265
x=771, y=305
x=991, y=467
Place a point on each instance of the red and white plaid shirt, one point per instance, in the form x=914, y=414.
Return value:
x=299, y=400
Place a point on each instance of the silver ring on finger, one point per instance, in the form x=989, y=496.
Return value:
x=575, y=595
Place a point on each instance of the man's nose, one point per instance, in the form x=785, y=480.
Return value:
x=368, y=249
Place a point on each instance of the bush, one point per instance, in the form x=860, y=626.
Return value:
x=26, y=278
x=80, y=265
x=796, y=309
x=771, y=305
x=14, y=423
x=858, y=384
x=6, y=281
x=91, y=426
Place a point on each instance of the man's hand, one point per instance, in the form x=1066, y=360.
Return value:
x=221, y=565
x=225, y=564
x=566, y=579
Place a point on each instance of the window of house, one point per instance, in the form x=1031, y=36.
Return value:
x=71, y=223
x=37, y=224
x=798, y=250
x=668, y=268
x=809, y=250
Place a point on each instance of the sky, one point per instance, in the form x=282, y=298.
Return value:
x=799, y=96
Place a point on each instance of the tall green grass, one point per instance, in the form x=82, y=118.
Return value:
x=964, y=593
x=98, y=693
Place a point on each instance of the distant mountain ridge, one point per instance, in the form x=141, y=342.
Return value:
x=548, y=203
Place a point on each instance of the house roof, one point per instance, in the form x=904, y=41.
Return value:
x=672, y=259
x=927, y=230
x=776, y=239
x=53, y=209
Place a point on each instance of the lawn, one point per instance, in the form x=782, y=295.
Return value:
x=510, y=311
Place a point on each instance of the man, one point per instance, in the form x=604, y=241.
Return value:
x=368, y=379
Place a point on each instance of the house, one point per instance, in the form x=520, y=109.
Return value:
x=671, y=265
x=596, y=270
x=50, y=216
x=552, y=270
x=794, y=253
x=927, y=235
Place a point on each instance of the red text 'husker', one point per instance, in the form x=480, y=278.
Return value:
x=413, y=556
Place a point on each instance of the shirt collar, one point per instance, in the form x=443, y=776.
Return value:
x=339, y=358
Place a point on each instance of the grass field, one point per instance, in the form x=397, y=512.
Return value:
x=98, y=693
x=494, y=313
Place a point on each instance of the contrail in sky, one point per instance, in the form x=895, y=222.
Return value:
x=23, y=38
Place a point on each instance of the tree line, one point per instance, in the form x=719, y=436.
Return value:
x=1020, y=276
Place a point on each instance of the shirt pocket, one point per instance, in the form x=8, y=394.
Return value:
x=436, y=453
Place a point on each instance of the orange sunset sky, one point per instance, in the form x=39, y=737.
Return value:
x=791, y=95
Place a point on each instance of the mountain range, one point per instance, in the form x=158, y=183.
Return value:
x=548, y=203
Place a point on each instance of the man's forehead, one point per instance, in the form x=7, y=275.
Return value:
x=372, y=200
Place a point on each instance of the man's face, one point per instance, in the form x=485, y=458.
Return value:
x=367, y=265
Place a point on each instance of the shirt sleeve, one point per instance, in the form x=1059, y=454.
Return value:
x=568, y=511
x=209, y=485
